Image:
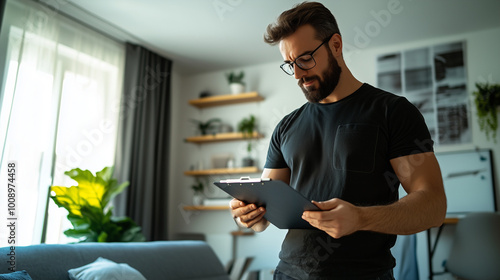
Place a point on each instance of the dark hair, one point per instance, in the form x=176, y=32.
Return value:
x=313, y=13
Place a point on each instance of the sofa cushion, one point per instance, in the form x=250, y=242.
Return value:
x=104, y=269
x=18, y=275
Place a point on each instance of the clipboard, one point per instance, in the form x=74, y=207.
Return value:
x=284, y=205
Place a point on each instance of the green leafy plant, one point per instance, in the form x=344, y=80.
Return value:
x=198, y=187
x=247, y=127
x=89, y=213
x=233, y=78
x=205, y=127
x=487, y=99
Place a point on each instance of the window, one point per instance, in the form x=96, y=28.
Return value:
x=59, y=111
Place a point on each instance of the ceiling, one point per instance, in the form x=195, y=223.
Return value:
x=210, y=35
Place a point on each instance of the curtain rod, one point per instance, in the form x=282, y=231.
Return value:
x=102, y=25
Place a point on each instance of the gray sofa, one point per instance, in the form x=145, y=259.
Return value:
x=154, y=260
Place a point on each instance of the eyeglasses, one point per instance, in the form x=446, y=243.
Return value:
x=304, y=62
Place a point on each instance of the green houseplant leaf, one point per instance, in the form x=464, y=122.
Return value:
x=247, y=127
x=487, y=100
x=233, y=77
x=88, y=210
x=205, y=127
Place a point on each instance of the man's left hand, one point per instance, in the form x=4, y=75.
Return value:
x=338, y=218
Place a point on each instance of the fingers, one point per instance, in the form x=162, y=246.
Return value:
x=234, y=204
x=337, y=217
x=322, y=205
x=247, y=214
x=326, y=218
x=253, y=217
x=327, y=205
x=239, y=207
x=318, y=217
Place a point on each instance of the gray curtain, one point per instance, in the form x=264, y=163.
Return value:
x=3, y=47
x=143, y=141
x=2, y=10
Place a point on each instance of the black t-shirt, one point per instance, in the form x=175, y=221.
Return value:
x=342, y=150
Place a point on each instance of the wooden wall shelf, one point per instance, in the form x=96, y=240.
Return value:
x=228, y=99
x=242, y=233
x=222, y=171
x=221, y=137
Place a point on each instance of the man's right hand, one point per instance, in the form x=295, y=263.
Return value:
x=248, y=215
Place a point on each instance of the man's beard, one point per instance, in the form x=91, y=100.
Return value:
x=331, y=78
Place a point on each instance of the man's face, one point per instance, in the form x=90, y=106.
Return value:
x=318, y=82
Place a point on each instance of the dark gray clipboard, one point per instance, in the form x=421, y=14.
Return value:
x=284, y=205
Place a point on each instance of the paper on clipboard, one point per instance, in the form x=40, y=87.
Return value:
x=284, y=205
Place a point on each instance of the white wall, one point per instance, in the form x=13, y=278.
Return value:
x=282, y=95
x=483, y=64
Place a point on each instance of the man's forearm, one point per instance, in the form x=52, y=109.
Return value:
x=413, y=213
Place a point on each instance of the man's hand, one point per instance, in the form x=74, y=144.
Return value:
x=338, y=218
x=248, y=215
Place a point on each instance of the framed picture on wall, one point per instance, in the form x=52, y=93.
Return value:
x=433, y=79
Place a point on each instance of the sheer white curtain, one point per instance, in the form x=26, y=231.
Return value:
x=60, y=109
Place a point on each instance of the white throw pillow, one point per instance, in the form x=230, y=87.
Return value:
x=104, y=269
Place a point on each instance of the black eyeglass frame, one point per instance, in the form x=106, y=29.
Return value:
x=290, y=64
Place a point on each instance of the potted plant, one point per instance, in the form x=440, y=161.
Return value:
x=198, y=188
x=487, y=100
x=88, y=210
x=235, y=81
x=247, y=126
x=208, y=126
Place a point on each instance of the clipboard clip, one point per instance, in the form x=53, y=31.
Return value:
x=246, y=180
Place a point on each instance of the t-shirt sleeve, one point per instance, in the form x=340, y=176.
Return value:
x=275, y=158
x=408, y=133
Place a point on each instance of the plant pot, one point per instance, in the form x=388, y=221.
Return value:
x=237, y=88
x=248, y=162
x=197, y=199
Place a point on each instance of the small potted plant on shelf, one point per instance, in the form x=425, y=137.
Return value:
x=487, y=100
x=198, y=188
x=247, y=126
x=207, y=127
x=235, y=81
